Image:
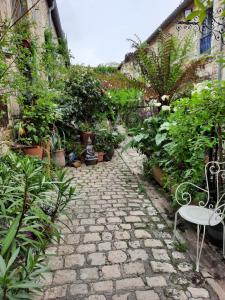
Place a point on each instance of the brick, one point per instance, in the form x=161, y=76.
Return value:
x=64, y=276
x=86, y=248
x=162, y=267
x=117, y=256
x=142, y=234
x=134, y=268
x=147, y=295
x=134, y=244
x=160, y=254
x=96, y=228
x=87, y=222
x=78, y=289
x=96, y=297
x=106, y=236
x=156, y=281
x=74, y=260
x=109, y=272
x=96, y=259
x=55, y=292
x=106, y=246
x=92, y=237
x=114, y=220
x=152, y=243
x=138, y=254
x=72, y=239
x=122, y=235
x=129, y=283
x=89, y=273
x=132, y=219
x=103, y=286
x=55, y=263
x=101, y=221
x=137, y=213
x=63, y=250
x=120, y=245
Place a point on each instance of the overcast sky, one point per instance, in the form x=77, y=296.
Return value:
x=97, y=30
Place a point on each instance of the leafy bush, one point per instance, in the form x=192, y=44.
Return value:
x=126, y=104
x=31, y=200
x=85, y=100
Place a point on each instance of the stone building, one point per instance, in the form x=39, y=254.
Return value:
x=205, y=42
x=42, y=14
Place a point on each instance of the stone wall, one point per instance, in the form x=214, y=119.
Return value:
x=40, y=20
x=211, y=69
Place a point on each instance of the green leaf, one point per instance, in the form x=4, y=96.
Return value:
x=10, y=235
x=3, y=268
x=13, y=258
x=160, y=138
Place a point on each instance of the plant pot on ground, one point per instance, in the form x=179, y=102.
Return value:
x=58, y=152
x=33, y=151
x=86, y=132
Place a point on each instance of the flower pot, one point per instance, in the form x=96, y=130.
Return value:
x=84, y=136
x=158, y=175
x=91, y=162
x=34, y=151
x=59, y=157
x=101, y=156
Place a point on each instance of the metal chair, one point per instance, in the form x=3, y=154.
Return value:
x=205, y=213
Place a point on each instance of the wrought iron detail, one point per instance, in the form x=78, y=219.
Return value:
x=216, y=27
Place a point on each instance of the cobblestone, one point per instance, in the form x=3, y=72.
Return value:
x=115, y=250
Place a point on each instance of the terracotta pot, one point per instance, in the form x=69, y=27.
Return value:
x=158, y=175
x=101, y=156
x=76, y=164
x=84, y=136
x=59, y=157
x=34, y=151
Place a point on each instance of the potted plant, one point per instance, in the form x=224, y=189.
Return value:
x=28, y=138
x=86, y=131
x=58, y=152
x=100, y=147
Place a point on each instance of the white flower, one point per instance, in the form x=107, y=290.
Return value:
x=175, y=109
x=165, y=108
x=165, y=97
x=157, y=104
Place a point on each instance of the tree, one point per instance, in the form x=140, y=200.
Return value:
x=168, y=68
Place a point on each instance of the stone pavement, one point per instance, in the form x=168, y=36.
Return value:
x=118, y=246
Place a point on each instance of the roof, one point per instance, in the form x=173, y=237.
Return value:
x=169, y=19
x=56, y=19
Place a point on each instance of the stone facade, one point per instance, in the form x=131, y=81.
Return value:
x=211, y=70
x=43, y=15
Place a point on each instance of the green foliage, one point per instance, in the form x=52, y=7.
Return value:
x=150, y=136
x=85, y=100
x=126, y=104
x=179, y=141
x=106, y=139
x=168, y=68
x=31, y=200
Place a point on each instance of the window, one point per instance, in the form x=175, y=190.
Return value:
x=19, y=7
x=206, y=38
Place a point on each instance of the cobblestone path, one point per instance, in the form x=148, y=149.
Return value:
x=118, y=247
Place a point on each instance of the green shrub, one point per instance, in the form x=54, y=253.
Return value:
x=31, y=201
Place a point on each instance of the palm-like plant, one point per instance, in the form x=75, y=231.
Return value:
x=167, y=68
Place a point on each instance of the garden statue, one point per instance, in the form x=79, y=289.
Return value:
x=91, y=157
